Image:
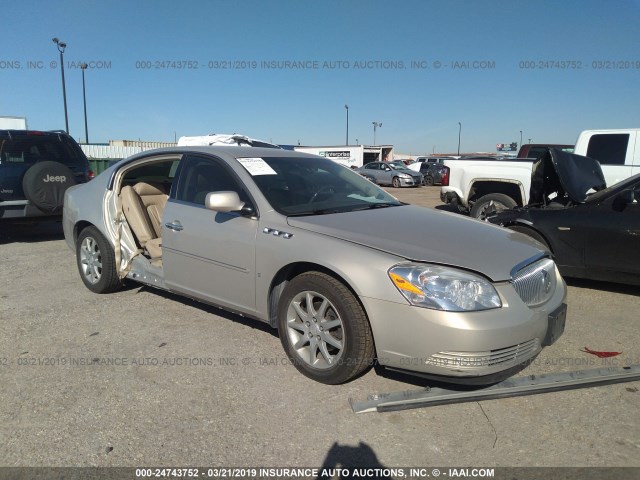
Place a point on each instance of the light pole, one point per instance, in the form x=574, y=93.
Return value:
x=375, y=126
x=520, y=137
x=529, y=140
x=83, y=67
x=459, y=133
x=61, y=46
x=346, y=107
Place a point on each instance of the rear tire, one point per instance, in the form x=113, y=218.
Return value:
x=491, y=204
x=324, y=329
x=428, y=180
x=96, y=262
x=531, y=233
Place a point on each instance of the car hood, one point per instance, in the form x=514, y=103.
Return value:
x=422, y=234
x=408, y=171
x=564, y=173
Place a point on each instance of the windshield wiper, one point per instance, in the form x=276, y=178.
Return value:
x=320, y=211
x=376, y=205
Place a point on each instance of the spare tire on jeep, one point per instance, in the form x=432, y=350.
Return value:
x=44, y=185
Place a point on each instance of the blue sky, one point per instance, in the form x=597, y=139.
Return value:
x=419, y=107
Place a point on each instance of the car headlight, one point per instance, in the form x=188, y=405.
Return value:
x=405, y=176
x=444, y=288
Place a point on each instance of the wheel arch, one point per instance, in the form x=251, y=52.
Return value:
x=529, y=226
x=288, y=273
x=79, y=227
x=481, y=188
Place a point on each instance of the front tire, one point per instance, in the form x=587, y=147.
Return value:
x=96, y=262
x=428, y=180
x=324, y=329
x=491, y=204
x=395, y=182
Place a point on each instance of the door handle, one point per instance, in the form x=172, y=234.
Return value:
x=176, y=226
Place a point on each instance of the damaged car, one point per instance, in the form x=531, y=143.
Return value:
x=592, y=231
x=346, y=273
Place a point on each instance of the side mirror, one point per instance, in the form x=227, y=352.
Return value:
x=223, y=202
x=623, y=199
x=628, y=196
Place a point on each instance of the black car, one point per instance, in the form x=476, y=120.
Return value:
x=432, y=172
x=592, y=235
x=36, y=168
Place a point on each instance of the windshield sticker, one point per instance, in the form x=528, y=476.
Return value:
x=257, y=166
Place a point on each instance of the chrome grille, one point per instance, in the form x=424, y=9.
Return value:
x=470, y=361
x=536, y=282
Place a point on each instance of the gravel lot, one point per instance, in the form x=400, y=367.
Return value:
x=221, y=393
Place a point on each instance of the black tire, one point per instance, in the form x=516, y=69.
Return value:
x=332, y=365
x=531, y=233
x=96, y=262
x=395, y=182
x=45, y=183
x=491, y=204
x=428, y=180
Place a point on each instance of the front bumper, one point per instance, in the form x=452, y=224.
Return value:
x=410, y=182
x=449, y=198
x=461, y=345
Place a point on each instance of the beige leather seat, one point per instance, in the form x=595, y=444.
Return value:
x=142, y=206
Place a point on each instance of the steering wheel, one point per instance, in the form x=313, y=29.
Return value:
x=325, y=189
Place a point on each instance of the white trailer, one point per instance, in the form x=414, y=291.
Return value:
x=353, y=156
x=13, y=123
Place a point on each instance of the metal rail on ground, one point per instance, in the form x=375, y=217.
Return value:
x=512, y=387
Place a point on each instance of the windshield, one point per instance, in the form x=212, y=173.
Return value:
x=310, y=186
x=618, y=187
x=396, y=166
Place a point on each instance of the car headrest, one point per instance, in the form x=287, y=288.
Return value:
x=143, y=188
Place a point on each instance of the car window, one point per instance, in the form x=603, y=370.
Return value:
x=154, y=173
x=202, y=175
x=609, y=149
x=303, y=186
x=371, y=166
x=535, y=152
x=39, y=148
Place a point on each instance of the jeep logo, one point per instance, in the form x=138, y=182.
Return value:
x=59, y=178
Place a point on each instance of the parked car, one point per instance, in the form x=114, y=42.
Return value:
x=433, y=173
x=36, y=168
x=384, y=173
x=343, y=270
x=591, y=235
x=536, y=150
x=482, y=187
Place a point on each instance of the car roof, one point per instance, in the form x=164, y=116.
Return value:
x=222, y=151
x=23, y=133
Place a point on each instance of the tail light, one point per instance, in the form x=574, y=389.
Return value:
x=90, y=175
x=445, y=177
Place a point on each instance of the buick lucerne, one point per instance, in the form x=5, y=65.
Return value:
x=348, y=274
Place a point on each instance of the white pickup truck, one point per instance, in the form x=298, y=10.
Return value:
x=483, y=186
